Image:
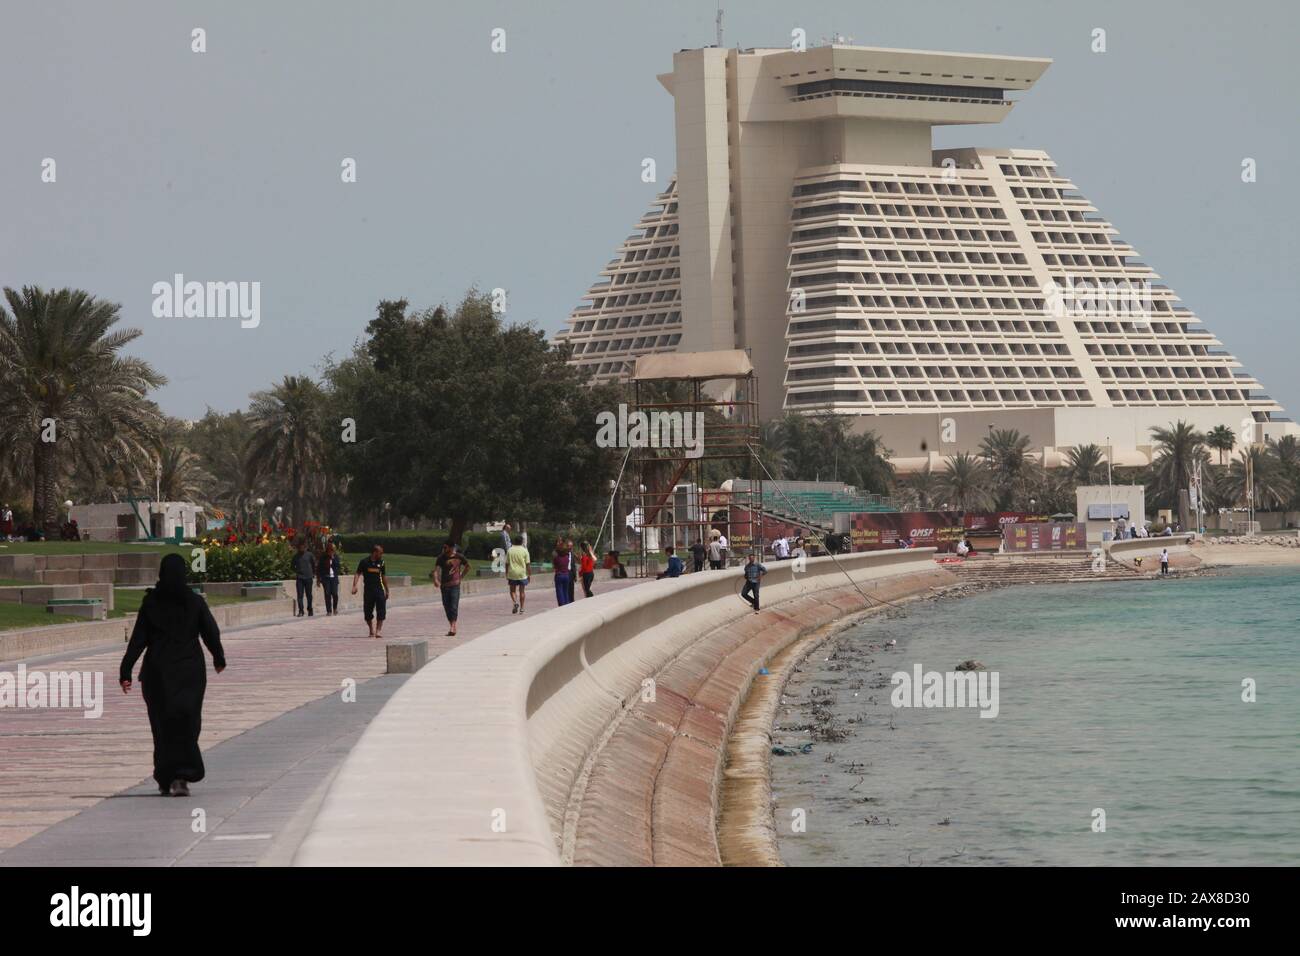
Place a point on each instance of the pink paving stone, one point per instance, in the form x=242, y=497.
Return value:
x=56, y=763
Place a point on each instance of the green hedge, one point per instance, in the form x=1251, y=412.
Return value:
x=477, y=545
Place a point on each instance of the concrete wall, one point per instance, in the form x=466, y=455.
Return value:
x=474, y=759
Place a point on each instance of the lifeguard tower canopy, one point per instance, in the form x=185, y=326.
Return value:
x=704, y=366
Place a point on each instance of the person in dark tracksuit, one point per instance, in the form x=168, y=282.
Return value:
x=328, y=570
x=304, y=572
x=375, y=597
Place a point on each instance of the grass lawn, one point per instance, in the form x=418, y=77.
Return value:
x=418, y=566
x=127, y=601
x=30, y=615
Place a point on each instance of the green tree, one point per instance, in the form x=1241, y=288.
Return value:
x=919, y=491
x=1286, y=450
x=1222, y=439
x=61, y=363
x=1086, y=465
x=1272, y=489
x=965, y=483
x=1178, y=448
x=461, y=416
x=286, y=439
x=1006, y=457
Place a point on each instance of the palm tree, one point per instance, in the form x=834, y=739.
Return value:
x=965, y=483
x=1177, y=449
x=66, y=391
x=1222, y=439
x=286, y=437
x=180, y=475
x=920, y=491
x=1287, y=452
x=1086, y=465
x=1272, y=488
x=1006, y=455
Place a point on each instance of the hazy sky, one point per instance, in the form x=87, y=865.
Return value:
x=522, y=170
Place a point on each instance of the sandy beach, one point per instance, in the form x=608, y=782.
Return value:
x=1267, y=551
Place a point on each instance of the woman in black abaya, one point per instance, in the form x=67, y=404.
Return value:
x=171, y=622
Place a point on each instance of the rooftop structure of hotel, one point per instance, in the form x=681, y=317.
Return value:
x=930, y=294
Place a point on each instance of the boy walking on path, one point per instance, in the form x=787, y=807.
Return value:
x=447, y=572
x=304, y=572
x=754, y=572
x=375, y=596
x=517, y=559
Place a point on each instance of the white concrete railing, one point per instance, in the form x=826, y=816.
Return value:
x=473, y=759
x=1145, y=547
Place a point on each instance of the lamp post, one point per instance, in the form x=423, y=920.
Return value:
x=388, y=513
x=261, y=503
x=1110, y=494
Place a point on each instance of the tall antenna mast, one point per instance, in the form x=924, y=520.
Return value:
x=719, y=24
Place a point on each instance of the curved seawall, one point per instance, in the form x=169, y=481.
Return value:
x=545, y=741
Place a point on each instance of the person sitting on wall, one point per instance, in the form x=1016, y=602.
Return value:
x=675, y=566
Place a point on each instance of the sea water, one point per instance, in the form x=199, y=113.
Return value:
x=1124, y=735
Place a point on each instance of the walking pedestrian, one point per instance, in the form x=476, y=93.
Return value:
x=715, y=554
x=587, y=568
x=375, y=596
x=171, y=622
x=447, y=572
x=304, y=571
x=1164, y=560
x=517, y=559
x=723, y=545
x=573, y=568
x=781, y=549
x=754, y=572
x=561, y=561
x=328, y=570
x=698, y=553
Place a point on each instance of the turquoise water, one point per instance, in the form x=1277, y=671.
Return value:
x=1118, y=696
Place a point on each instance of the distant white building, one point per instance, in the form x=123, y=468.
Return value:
x=124, y=521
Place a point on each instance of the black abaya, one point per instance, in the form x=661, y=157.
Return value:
x=173, y=677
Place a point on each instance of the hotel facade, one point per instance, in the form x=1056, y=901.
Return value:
x=928, y=294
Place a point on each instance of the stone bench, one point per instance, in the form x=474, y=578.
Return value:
x=407, y=657
x=92, y=609
x=260, y=592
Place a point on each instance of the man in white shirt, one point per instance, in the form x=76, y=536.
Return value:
x=1164, y=560
x=781, y=549
x=722, y=543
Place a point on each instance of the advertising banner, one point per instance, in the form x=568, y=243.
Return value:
x=997, y=520
x=1044, y=536
x=882, y=530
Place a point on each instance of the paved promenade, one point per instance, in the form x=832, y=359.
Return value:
x=75, y=791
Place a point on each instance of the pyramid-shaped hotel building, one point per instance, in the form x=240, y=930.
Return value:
x=929, y=294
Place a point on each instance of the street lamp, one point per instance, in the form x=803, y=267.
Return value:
x=388, y=513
